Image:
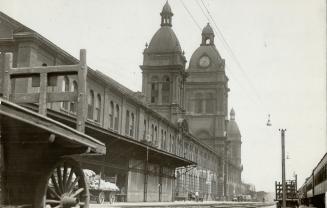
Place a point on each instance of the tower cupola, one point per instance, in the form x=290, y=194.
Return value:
x=208, y=35
x=166, y=15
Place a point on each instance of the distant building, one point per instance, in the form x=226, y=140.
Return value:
x=168, y=142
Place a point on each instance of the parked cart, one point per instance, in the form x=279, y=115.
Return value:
x=100, y=190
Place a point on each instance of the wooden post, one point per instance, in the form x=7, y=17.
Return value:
x=43, y=93
x=2, y=171
x=6, y=79
x=81, y=101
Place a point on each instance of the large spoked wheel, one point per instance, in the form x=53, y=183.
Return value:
x=65, y=186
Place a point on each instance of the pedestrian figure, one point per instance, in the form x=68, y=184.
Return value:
x=196, y=196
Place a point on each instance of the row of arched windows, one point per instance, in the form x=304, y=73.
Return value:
x=167, y=142
x=160, y=140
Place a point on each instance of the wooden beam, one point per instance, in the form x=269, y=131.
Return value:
x=25, y=97
x=6, y=79
x=27, y=71
x=82, y=99
x=51, y=97
x=61, y=96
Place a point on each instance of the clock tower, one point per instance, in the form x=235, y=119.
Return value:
x=206, y=92
x=206, y=96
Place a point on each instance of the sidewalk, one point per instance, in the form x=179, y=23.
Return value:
x=189, y=204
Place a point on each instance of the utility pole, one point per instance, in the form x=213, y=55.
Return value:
x=283, y=167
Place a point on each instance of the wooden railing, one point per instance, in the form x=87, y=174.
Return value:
x=43, y=96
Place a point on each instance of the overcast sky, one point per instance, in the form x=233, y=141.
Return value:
x=275, y=57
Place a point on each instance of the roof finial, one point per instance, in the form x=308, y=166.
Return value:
x=208, y=35
x=166, y=15
x=232, y=114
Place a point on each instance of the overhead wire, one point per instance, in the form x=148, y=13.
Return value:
x=237, y=81
x=212, y=47
x=229, y=48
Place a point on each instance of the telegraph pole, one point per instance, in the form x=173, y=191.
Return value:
x=283, y=167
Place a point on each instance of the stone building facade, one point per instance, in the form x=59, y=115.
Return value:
x=180, y=117
x=198, y=94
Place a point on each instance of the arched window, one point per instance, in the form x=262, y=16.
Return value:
x=144, y=132
x=170, y=143
x=154, y=90
x=196, y=155
x=65, y=88
x=162, y=140
x=152, y=133
x=117, y=117
x=209, y=99
x=165, y=90
x=127, y=122
x=221, y=97
x=111, y=115
x=131, y=132
x=98, y=108
x=173, y=145
x=90, y=106
x=165, y=141
x=155, y=135
x=73, y=105
x=198, y=103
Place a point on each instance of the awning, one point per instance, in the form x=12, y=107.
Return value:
x=121, y=146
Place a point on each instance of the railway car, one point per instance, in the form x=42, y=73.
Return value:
x=314, y=189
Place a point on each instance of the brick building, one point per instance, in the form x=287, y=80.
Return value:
x=169, y=141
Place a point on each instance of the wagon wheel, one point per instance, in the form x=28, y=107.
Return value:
x=64, y=186
x=101, y=197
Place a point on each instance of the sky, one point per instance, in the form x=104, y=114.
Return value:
x=275, y=54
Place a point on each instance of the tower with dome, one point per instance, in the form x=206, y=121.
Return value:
x=163, y=70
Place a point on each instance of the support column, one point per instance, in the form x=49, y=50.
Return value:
x=2, y=171
x=160, y=183
x=146, y=176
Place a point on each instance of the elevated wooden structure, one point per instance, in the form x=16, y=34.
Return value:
x=37, y=169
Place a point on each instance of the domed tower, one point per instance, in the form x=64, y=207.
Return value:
x=234, y=137
x=164, y=70
x=207, y=93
